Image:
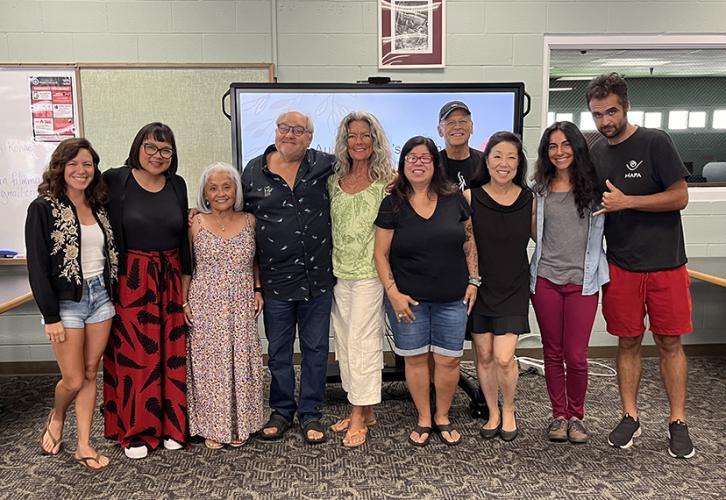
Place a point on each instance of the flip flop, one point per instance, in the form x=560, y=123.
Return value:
x=237, y=444
x=212, y=444
x=84, y=462
x=441, y=428
x=56, y=442
x=313, y=425
x=343, y=424
x=421, y=430
x=354, y=441
x=277, y=422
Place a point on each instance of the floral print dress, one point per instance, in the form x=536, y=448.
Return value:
x=224, y=360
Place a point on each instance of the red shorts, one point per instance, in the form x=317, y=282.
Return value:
x=664, y=295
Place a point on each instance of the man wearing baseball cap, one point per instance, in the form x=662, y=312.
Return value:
x=458, y=159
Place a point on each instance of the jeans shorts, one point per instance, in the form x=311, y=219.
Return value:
x=439, y=327
x=95, y=305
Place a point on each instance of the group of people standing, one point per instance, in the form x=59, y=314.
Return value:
x=119, y=268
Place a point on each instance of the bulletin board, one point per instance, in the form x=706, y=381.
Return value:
x=120, y=99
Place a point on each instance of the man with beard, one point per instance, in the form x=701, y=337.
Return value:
x=644, y=191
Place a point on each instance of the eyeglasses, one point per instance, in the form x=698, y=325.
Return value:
x=152, y=149
x=457, y=123
x=296, y=130
x=426, y=159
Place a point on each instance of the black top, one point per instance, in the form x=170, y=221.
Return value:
x=460, y=172
x=645, y=163
x=152, y=221
x=120, y=182
x=53, y=244
x=427, y=255
x=294, y=242
x=502, y=234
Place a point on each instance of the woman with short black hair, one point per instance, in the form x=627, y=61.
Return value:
x=145, y=363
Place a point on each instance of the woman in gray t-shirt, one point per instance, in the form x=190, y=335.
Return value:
x=567, y=270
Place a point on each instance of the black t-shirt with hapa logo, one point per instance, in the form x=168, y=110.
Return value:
x=645, y=163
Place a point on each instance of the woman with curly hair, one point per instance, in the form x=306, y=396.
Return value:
x=72, y=265
x=362, y=169
x=566, y=272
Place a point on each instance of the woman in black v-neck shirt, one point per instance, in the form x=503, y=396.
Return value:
x=426, y=259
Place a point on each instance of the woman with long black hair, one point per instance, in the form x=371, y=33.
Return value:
x=566, y=272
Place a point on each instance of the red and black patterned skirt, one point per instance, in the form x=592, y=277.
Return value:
x=144, y=380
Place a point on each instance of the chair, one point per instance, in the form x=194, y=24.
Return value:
x=715, y=171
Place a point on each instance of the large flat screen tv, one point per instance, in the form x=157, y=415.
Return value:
x=404, y=110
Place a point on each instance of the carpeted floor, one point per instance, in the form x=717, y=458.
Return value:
x=387, y=466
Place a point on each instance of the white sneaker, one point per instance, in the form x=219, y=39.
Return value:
x=136, y=452
x=171, y=444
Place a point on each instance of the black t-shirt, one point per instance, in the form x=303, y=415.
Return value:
x=427, y=255
x=152, y=222
x=645, y=163
x=460, y=172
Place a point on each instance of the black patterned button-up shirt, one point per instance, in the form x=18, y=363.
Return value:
x=294, y=242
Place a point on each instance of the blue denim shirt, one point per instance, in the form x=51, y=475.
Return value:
x=596, y=272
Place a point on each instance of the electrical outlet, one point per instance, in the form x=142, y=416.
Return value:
x=526, y=364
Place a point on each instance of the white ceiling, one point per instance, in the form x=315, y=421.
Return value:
x=638, y=62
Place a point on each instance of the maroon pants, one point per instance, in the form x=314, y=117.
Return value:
x=144, y=381
x=565, y=318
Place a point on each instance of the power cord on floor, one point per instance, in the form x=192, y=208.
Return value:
x=537, y=365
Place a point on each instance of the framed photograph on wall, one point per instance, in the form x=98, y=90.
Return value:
x=411, y=34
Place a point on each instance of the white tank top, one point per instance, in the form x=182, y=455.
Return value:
x=92, y=258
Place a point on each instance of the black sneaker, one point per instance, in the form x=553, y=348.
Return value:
x=623, y=434
x=679, y=443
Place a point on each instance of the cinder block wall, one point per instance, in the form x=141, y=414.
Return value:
x=335, y=41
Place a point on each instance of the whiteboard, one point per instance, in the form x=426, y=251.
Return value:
x=24, y=154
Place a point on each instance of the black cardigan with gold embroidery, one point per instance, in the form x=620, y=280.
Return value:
x=53, y=246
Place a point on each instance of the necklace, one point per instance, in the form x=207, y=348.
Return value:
x=219, y=221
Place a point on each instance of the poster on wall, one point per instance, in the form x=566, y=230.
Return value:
x=411, y=34
x=51, y=108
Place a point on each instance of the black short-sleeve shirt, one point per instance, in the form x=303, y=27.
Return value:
x=645, y=163
x=460, y=172
x=427, y=255
x=293, y=237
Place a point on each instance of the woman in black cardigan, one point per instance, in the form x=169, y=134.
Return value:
x=72, y=264
x=145, y=362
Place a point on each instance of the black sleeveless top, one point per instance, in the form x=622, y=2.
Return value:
x=502, y=234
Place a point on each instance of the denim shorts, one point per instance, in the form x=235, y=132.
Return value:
x=439, y=327
x=95, y=305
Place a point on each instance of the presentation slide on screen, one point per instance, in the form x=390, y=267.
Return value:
x=402, y=114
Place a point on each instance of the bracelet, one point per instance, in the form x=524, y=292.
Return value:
x=257, y=289
x=475, y=280
x=390, y=286
x=185, y=304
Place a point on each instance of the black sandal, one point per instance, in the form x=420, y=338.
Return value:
x=421, y=430
x=314, y=425
x=441, y=428
x=278, y=422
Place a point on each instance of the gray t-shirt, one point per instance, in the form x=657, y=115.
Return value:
x=564, y=240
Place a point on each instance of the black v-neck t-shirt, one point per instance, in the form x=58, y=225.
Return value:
x=427, y=255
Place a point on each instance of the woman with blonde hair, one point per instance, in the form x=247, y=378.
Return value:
x=362, y=170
